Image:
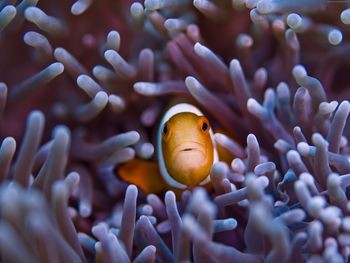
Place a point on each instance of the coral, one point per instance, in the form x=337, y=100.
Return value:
x=84, y=84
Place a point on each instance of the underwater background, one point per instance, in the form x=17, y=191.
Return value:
x=84, y=84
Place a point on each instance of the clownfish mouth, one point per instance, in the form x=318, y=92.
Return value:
x=190, y=146
x=189, y=155
x=187, y=149
x=190, y=163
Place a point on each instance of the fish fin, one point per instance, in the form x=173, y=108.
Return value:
x=224, y=154
x=144, y=174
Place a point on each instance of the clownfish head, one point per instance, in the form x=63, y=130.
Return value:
x=186, y=148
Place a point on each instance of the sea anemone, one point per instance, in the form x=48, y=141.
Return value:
x=84, y=84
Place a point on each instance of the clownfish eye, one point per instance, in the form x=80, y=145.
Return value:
x=165, y=129
x=203, y=124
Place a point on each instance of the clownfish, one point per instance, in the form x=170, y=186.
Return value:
x=186, y=151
